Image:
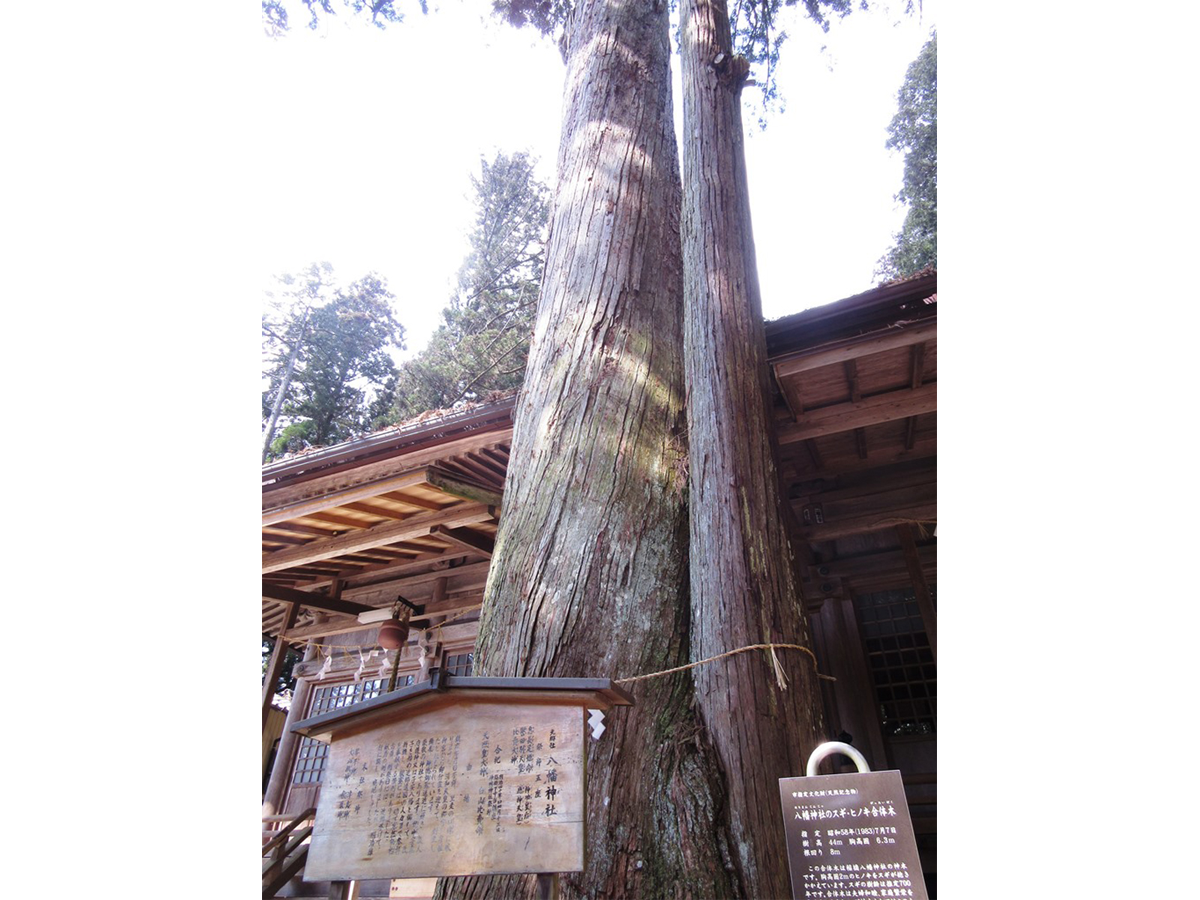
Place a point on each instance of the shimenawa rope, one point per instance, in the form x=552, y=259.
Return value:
x=779, y=678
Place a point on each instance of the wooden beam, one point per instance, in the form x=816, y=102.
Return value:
x=795, y=466
x=855, y=348
x=477, y=543
x=314, y=601
x=451, y=484
x=924, y=599
x=374, y=574
x=454, y=603
x=872, y=565
x=387, y=533
x=283, y=512
x=847, y=416
x=476, y=571
x=884, y=517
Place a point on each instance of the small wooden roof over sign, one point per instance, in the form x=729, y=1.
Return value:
x=444, y=690
x=456, y=776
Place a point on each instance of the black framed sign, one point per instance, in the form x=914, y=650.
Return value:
x=850, y=836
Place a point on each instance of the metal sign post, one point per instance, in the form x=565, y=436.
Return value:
x=849, y=833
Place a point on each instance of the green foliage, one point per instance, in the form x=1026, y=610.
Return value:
x=382, y=13
x=483, y=341
x=753, y=23
x=913, y=131
x=341, y=338
x=756, y=36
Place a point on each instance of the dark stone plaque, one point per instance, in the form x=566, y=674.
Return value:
x=850, y=836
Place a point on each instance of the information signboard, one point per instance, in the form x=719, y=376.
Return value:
x=473, y=788
x=850, y=836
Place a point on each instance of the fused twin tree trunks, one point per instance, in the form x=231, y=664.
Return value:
x=743, y=589
x=646, y=393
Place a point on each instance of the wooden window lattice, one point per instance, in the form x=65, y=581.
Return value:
x=460, y=664
x=901, y=661
x=311, y=755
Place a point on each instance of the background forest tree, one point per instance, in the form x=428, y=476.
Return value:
x=325, y=347
x=483, y=341
x=913, y=131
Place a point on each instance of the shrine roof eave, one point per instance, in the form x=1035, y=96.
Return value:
x=595, y=693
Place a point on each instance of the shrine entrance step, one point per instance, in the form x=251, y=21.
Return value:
x=284, y=855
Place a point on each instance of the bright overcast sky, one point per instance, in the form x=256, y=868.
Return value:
x=375, y=134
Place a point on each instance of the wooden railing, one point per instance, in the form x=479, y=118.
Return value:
x=285, y=850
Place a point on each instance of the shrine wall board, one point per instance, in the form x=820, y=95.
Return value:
x=462, y=776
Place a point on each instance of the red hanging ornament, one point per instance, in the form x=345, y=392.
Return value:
x=393, y=634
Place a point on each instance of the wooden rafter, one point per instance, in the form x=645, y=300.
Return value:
x=489, y=465
x=387, y=533
x=335, y=519
x=419, y=502
x=272, y=538
x=467, y=539
x=372, y=509
x=860, y=442
x=300, y=528
x=918, y=376
x=851, y=367
x=470, y=467
x=917, y=361
x=320, y=489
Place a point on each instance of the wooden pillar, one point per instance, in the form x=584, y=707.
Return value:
x=277, y=785
x=275, y=664
x=920, y=587
x=858, y=690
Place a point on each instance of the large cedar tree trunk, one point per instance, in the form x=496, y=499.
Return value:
x=589, y=577
x=742, y=580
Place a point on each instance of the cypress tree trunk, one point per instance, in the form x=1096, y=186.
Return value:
x=589, y=575
x=742, y=581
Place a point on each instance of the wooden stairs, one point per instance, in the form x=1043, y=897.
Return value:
x=286, y=852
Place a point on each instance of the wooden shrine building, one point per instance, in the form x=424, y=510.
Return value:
x=413, y=511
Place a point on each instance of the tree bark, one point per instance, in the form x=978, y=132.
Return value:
x=589, y=573
x=742, y=580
